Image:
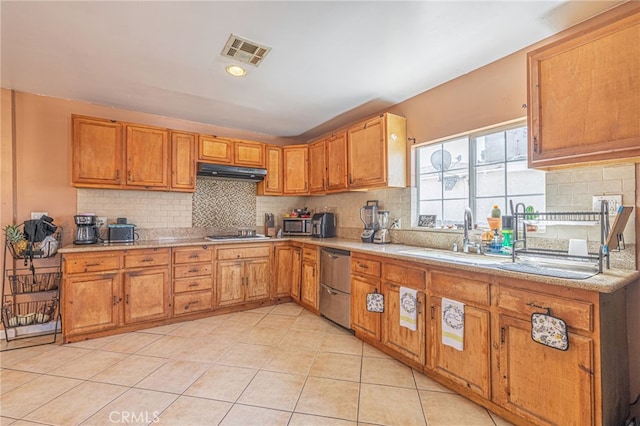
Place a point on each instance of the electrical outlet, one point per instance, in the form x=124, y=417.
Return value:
x=396, y=224
x=38, y=215
x=615, y=201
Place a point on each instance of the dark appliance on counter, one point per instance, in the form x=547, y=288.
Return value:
x=323, y=225
x=225, y=172
x=300, y=226
x=86, y=229
x=121, y=233
x=335, y=286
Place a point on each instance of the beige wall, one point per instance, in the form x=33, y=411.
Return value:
x=42, y=136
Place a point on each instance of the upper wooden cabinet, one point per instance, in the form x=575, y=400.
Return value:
x=247, y=153
x=296, y=169
x=584, y=93
x=376, y=153
x=183, y=161
x=273, y=182
x=215, y=149
x=97, y=152
x=336, y=157
x=147, y=157
x=317, y=167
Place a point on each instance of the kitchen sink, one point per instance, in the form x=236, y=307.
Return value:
x=467, y=259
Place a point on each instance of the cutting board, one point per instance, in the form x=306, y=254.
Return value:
x=617, y=228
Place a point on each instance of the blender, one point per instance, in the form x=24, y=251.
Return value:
x=382, y=235
x=369, y=217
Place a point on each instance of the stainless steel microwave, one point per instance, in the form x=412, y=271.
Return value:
x=297, y=226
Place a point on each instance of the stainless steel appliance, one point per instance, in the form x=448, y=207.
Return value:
x=335, y=286
x=382, y=235
x=297, y=226
x=323, y=225
x=225, y=172
x=86, y=229
x=121, y=233
x=369, y=217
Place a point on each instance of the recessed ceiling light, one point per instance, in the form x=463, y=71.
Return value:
x=236, y=70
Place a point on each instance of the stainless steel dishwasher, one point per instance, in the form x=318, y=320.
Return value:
x=335, y=286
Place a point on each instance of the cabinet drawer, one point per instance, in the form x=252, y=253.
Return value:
x=243, y=252
x=365, y=267
x=405, y=275
x=523, y=303
x=192, y=254
x=187, y=303
x=77, y=264
x=152, y=257
x=310, y=253
x=460, y=288
x=192, y=270
x=192, y=284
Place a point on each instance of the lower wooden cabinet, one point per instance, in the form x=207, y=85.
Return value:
x=287, y=271
x=246, y=278
x=90, y=303
x=470, y=367
x=544, y=384
x=103, y=291
x=309, y=286
x=362, y=321
x=146, y=294
x=410, y=343
x=192, y=279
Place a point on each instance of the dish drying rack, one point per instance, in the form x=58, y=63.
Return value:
x=523, y=219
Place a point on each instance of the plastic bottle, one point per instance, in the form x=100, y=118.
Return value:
x=496, y=243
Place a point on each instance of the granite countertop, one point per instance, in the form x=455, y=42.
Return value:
x=608, y=281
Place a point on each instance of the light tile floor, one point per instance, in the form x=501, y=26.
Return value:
x=278, y=365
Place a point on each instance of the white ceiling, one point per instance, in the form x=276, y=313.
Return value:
x=327, y=58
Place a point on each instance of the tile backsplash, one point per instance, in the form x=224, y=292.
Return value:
x=224, y=203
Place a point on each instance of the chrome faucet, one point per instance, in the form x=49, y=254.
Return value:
x=468, y=225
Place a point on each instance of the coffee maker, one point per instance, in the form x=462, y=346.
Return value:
x=382, y=235
x=86, y=229
x=369, y=217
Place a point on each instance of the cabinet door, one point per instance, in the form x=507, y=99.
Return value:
x=215, y=150
x=584, y=94
x=336, y=147
x=273, y=182
x=296, y=169
x=249, y=154
x=257, y=279
x=362, y=320
x=283, y=274
x=296, y=272
x=367, y=156
x=183, y=161
x=545, y=384
x=97, y=153
x=309, y=285
x=229, y=282
x=91, y=303
x=317, y=167
x=407, y=342
x=147, y=157
x=146, y=295
x=470, y=367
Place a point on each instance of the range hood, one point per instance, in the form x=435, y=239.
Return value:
x=221, y=171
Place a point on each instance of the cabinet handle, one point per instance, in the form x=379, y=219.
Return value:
x=350, y=181
x=193, y=271
x=116, y=300
x=127, y=300
x=502, y=335
x=92, y=264
x=360, y=265
x=129, y=176
x=546, y=308
x=194, y=256
x=535, y=144
x=194, y=285
x=117, y=174
x=433, y=312
x=148, y=259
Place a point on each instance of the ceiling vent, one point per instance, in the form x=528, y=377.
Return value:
x=244, y=50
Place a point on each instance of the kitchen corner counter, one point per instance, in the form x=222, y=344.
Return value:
x=607, y=282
